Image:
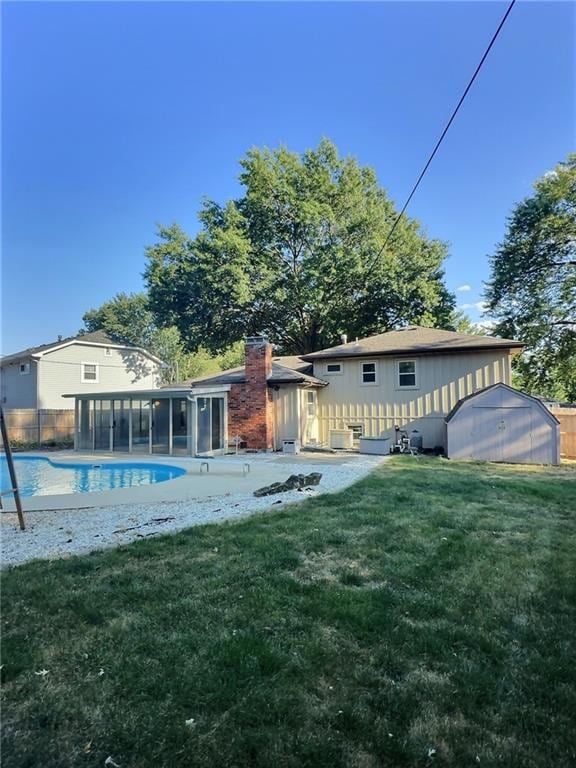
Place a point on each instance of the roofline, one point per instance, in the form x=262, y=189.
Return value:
x=464, y=399
x=112, y=345
x=312, y=356
x=147, y=393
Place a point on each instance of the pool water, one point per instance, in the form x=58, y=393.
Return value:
x=40, y=476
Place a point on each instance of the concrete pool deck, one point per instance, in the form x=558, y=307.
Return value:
x=223, y=495
x=224, y=475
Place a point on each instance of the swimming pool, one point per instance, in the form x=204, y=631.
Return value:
x=40, y=476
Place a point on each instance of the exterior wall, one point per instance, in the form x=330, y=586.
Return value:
x=19, y=390
x=442, y=380
x=60, y=372
x=503, y=425
x=250, y=405
x=287, y=410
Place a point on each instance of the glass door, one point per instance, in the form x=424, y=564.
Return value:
x=209, y=424
x=120, y=425
x=102, y=425
x=203, y=429
x=217, y=423
x=86, y=415
x=161, y=426
x=180, y=426
x=140, y=426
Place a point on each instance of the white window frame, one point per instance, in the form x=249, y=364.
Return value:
x=83, y=378
x=375, y=372
x=26, y=367
x=416, y=384
x=311, y=404
x=339, y=372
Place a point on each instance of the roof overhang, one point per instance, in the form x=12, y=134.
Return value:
x=151, y=394
x=419, y=351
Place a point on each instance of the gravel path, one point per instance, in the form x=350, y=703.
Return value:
x=56, y=534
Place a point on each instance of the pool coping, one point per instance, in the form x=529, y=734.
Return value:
x=225, y=476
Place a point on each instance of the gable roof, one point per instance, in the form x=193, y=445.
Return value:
x=411, y=340
x=498, y=384
x=97, y=338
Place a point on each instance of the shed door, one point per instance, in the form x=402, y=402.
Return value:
x=502, y=434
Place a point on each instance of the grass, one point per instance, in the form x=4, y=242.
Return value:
x=425, y=616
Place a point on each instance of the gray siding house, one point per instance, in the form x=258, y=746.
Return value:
x=38, y=377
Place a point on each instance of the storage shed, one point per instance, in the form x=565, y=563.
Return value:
x=500, y=423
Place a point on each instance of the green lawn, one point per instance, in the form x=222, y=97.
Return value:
x=432, y=606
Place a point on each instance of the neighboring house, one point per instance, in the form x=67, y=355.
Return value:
x=37, y=378
x=411, y=378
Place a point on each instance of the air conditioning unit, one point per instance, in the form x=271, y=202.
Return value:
x=341, y=439
x=290, y=446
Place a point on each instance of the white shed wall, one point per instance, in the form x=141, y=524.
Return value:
x=503, y=425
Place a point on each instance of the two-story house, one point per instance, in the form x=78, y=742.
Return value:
x=38, y=377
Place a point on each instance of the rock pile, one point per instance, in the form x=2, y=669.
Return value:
x=294, y=483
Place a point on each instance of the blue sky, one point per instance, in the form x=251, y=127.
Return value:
x=117, y=116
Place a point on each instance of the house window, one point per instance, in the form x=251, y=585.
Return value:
x=311, y=403
x=24, y=368
x=407, y=373
x=333, y=367
x=369, y=373
x=357, y=432
x=89, y=372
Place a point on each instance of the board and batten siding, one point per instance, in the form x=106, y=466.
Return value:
x=291, y=418
x=19, y=389
x=60, y=372
x=442, y=380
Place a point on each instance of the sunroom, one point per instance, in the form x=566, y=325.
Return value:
x=169, y=421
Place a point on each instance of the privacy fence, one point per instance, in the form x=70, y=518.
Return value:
x=567, y=419
x=27, y=425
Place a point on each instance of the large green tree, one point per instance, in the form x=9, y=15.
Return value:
x=532, y=290
x=297, y=257
x=128, y=318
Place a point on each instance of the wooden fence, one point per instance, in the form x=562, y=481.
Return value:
x=27, y=425
x=567, y=419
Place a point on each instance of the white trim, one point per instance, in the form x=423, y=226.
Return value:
x=339, y=372
x=83, y=378
x=375, y=372
x=416, y=385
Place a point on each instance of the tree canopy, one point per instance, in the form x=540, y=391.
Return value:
x=128, y=318
x=297, y=257
x=532, y=289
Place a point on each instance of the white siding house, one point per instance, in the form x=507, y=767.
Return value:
x=37, y=378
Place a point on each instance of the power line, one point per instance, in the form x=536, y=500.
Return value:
x=446, y=128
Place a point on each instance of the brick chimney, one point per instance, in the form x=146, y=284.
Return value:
x=250, y=405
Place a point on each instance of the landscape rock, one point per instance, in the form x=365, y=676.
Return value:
x=293, y=483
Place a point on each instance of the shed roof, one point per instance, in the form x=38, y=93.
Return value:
x=411, y=340
x=472, y=395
